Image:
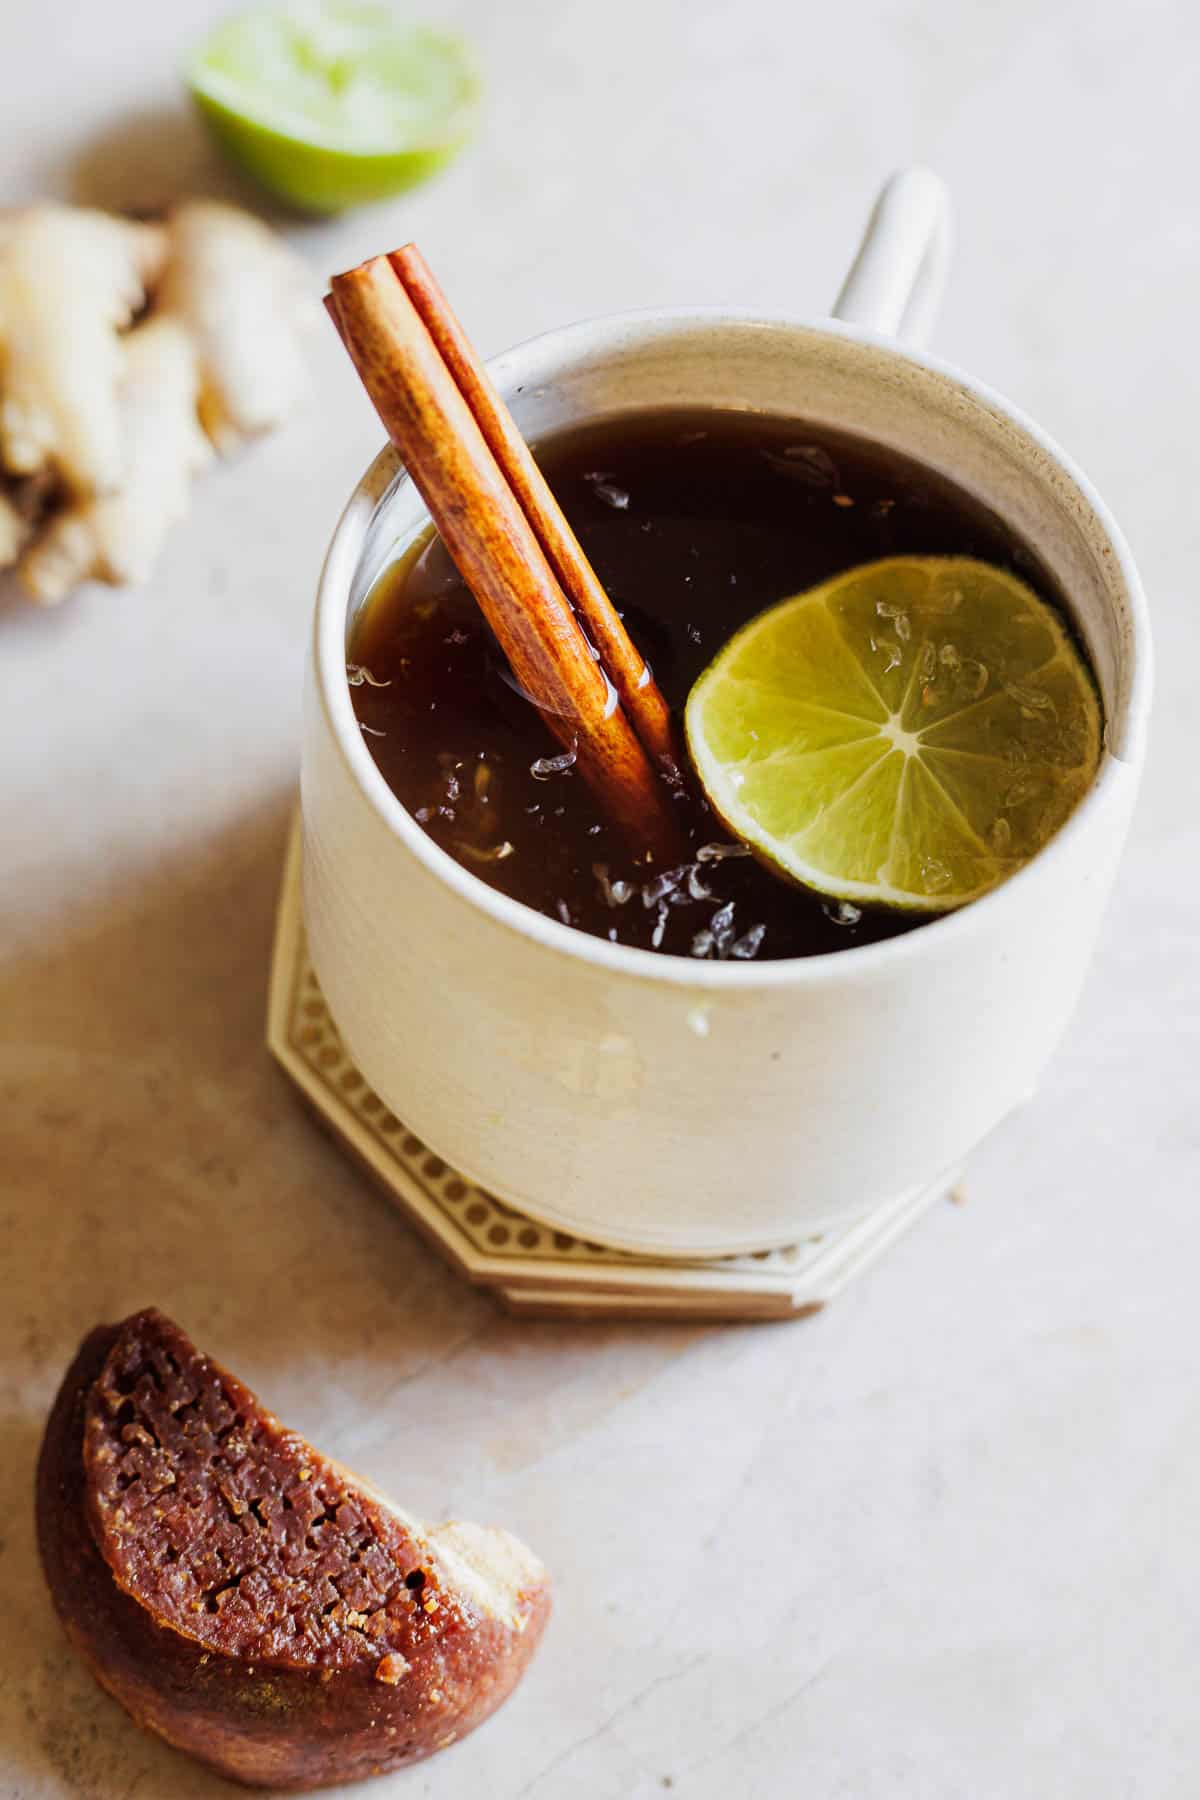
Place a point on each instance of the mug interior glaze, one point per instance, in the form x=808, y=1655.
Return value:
x=858, y=1075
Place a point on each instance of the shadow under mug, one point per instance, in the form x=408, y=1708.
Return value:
x=656, y=1103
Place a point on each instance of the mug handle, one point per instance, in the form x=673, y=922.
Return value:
x=895, y=283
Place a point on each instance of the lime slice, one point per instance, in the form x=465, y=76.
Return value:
x=907, y=734
x=331, y=103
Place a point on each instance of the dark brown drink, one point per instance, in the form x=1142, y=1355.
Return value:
x=695, y=522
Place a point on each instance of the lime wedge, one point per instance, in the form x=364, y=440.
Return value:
x=906, y=735
x=332, y=103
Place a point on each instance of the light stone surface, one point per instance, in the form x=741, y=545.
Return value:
x=939, y=1542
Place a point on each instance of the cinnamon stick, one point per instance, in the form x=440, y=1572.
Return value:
x=495, y=548
x=639, y=693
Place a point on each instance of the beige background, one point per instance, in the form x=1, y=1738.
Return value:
x=937, y=1543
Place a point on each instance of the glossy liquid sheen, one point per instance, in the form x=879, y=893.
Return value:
x=695, y=522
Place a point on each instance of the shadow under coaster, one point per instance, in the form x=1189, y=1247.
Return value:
x=533, y=1268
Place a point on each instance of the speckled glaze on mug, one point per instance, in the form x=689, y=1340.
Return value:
x=692, y=1108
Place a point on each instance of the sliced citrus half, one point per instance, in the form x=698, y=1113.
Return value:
x=331, y=103
x=906, y=735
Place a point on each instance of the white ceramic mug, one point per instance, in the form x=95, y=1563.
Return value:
x=658, y=1103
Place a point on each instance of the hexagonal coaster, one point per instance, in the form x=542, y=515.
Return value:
x=532, y=1267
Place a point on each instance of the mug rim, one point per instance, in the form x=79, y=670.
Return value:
x=861, y=961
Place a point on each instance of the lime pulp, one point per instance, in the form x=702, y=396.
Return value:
x=907, y=734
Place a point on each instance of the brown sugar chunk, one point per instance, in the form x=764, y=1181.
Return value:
x=232, y=1529
x=250, y=1599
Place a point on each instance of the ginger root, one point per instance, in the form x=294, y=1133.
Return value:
x=70, y=281
x=233, y=285
x=116, y=537
x=12, y=532
x=121, y=346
